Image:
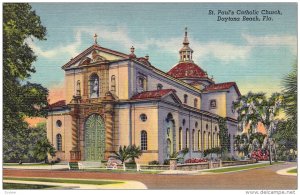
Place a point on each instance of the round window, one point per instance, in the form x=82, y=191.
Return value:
x=58, y=123
x=143, y=117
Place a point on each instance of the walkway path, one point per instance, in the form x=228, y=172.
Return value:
x=125, y=185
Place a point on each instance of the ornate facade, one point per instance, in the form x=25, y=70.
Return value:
x=115, y=99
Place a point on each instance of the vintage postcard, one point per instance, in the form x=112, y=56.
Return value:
x=189, y=96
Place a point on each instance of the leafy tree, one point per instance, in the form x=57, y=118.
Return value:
x=286, y=138
x=223, y=135
x=42, y=149
x=254, y=108
x=20, y=98
x=257, y=136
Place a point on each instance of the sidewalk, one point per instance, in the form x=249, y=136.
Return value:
x=202, y=172
x=285, y=171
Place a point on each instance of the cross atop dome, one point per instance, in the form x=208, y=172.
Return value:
x=186, y=53
x=185, y=40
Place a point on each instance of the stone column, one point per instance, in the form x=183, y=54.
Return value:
x=173, y=163
x=109, y=130
x=75, y=154
x=210, y=164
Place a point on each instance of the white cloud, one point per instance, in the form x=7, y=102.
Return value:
x=223, y=51
x=272, y=41
x=71, y=49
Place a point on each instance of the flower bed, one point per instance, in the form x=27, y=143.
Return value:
x=260, y=155
x=195, y=160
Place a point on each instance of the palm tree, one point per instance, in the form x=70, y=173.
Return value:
x=42, y=149
x=290, y=95
x=134, y=152
x=123, y=154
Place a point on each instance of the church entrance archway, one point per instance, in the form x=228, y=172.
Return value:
x=94, y=129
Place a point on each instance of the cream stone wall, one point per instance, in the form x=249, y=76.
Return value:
x=123, y=126
x=150, y=126
x=220, y=98
x=66, y=133
x=230, y=97
x=122, y=80
x=71, y=78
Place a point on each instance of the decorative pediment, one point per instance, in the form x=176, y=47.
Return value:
x=173, y=98
x=95, y=53
x=85, y=61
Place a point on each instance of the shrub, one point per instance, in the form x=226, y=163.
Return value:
x=166, y=162
x=154, y=162
x=196, y=160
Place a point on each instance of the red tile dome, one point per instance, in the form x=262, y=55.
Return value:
x=187, y=70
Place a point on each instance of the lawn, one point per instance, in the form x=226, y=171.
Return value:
x=240, y=168
x=293, y=171
x=72, y=181
x=20, y=186
x=25, y=164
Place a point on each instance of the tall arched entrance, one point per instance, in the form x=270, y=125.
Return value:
x=170, y=136
x=94, y=142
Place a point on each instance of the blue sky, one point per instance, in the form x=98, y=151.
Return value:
x=256, y=55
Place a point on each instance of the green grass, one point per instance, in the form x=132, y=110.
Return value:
x=293, y=171
x=230, y=169
x=72, y=181
x=21, y=186
x=17, y=164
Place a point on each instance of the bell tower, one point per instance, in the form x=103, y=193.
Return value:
x=186, y=53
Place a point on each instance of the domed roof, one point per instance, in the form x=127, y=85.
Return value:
x=187, y=70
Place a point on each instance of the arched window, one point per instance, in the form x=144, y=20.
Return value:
x=199, y=140
x=187, y=138
x=193, y=140
x=206, y=126
x=159, y=86
x=195, y=102
x=204, y=141
x=185, y=98
x=218, y=140
x=141, y=85
x=58, y=142
x=113, y=83
x=94, y=86
x=208, y=141
x=213, y=140
x=144, y=140
x=229, y=144
x=180, y=139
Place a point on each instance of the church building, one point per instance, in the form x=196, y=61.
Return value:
x=115, y=99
